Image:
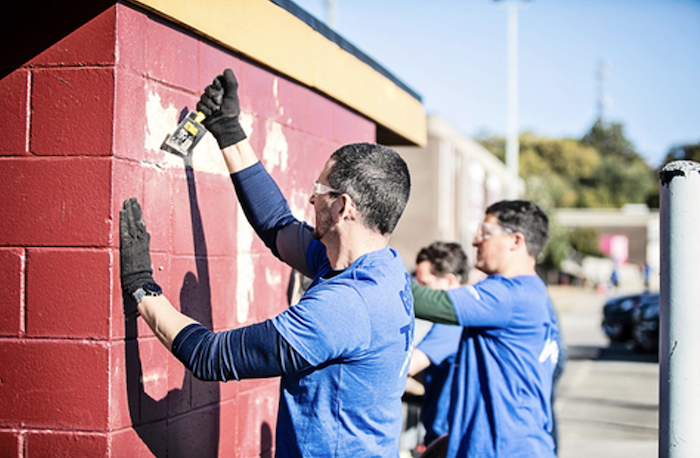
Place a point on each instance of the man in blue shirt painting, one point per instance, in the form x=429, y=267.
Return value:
x=343, y=350
x=500, y=404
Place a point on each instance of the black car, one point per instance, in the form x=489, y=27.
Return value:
x=617, y=317
x=645, y=319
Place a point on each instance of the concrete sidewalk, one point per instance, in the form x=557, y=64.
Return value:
x=607, y=403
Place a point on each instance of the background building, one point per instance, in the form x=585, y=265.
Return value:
x=454, y=179
x=629, y=239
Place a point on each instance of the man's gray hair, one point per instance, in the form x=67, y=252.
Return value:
x=525, y=217
x=376, y=178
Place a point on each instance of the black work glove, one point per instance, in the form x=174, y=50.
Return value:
x=134, y=252
x=220, y=105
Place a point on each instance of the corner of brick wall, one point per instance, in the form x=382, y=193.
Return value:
x=87, y=115
x=55, y=247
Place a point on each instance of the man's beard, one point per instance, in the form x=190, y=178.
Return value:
x=323, y=224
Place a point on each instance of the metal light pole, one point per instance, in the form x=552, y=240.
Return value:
x=679, y=340
x=512, y=142
x=330, y=13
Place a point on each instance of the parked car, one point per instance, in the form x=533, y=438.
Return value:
x=645, y=322
x=617, y=317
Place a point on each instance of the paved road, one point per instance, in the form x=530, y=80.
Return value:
x=607, y=402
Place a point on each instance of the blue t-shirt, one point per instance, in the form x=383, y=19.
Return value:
x=440, y=346
x=501, y=394
x=356, y=327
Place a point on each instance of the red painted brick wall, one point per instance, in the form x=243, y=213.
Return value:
x=86, y=111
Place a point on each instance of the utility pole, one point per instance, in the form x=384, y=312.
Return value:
x=603, y=100
x=512, y=142
x=330, y=13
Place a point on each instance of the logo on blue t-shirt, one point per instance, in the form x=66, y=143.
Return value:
x=407, y=299
x=407, y=296
x=550, y=351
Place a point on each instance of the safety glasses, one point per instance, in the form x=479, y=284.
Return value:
x=323, y=189
x=486, y=231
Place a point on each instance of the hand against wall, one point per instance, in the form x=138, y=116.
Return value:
x=134, y=251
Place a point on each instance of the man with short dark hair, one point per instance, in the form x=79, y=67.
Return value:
x=441, y=265
x=500, y=403
x=343, y=350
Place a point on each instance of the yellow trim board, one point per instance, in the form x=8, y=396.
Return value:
x=269, y=34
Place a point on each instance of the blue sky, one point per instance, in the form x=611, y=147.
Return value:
x=454, y=53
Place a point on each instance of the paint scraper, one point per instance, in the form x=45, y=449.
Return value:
x=190, y=130
x=187, y=134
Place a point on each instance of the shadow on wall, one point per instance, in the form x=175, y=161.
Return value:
x=196, y=430
x=266, y=441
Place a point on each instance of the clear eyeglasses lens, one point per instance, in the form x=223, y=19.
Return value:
x=487, y=231
x=322, y=189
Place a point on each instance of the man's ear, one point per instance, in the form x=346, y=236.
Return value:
x=452, y=281
x=347, y=209
x=519, y=241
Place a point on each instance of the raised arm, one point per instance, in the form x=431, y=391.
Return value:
x=261, y=199
x=433, y=305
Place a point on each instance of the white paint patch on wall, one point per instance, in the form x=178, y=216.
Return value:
x=272, y=278
x=206, y=157
x=280, y=108
x=246, y=120
x=275, y=153
x=244, y=266
x=161, y=121
x=275, y=95
x=299, y=204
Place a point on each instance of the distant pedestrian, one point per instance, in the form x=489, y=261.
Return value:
x=615, y=278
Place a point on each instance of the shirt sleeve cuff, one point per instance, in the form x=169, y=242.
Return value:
x=187, y=340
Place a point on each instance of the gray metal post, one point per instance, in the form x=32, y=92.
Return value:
x=679, y=344
x=512, y=141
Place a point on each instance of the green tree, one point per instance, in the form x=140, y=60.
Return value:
x=558, y=247
x=688, y=152
x=538, y=188
x=624, y=182
x=585, y=241
x=609, y=139
x=602, y=169
x=492, y=142
x=552, y=189
x=566, y=156
x=621, y=177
